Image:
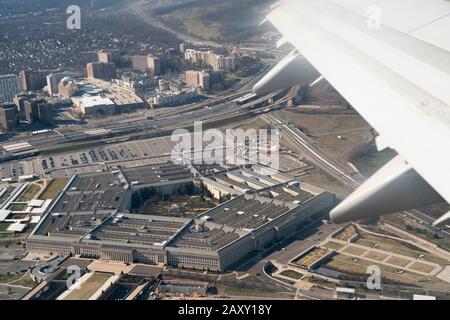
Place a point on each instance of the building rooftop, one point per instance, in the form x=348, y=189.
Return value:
x=93, y=192
x=201, y=235
x=93, y=101
x=156, y=173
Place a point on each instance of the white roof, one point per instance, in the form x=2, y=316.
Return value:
x=35, y=219
x=36, y=203
x=17, y=227
x=4, y=214
x=423, y=297
x=345, y=290
x=17, y=146
x=90, y=102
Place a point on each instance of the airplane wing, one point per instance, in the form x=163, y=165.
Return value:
x=391, y=60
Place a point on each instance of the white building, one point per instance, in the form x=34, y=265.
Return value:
x=95, y=105
x=169, y=98
x=9, y=87
x=215, y=61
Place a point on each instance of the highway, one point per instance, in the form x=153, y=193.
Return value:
x=315, y=154
x=300, y=142
x=215, y=108
x=139, y=10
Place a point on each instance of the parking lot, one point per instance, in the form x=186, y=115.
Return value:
x=89, y=160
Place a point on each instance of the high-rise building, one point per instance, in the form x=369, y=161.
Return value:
x=45, y=112
x=53, y=80
x=108, y=56
x=215, y=61
x=19, y=101
x=38, y=110
x=103, y=71
x=9, y=87
x=223, y=63
x=147, y=64
x=198, y=79
x=32, y=80
x=8, y=116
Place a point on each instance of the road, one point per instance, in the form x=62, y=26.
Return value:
x=214, y=108
x=300, y=142
x=139, y=10
x=286, y=250
x=309, y=147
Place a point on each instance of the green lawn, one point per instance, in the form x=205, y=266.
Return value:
x=53, y=188
x=89, y=287
x=29, y=193
x=291, y=274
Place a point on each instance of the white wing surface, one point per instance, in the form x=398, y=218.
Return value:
x=391, y=60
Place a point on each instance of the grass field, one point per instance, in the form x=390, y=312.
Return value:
x=324, y=129
x=376, y=255
x=232, y=20
x=291, y=274
x=333, y=245
x=354, y=251
x=317, y=177
x=398, y=247
x=17, y=207
x=421, y=267
x=7, y=278
x=29, y=193
x=345, y=264
x=190, y=20
x=320, y=282
x=396, y=221
x=89, y=287
x=24, y=281
x=53, y=188
x=398, y=261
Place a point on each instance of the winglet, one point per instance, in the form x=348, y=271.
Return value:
x=445, y=219
x=395, y=187
x=292, y=70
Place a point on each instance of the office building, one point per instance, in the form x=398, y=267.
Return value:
x=9, y=87
x=8, y=116
x=32, y=80
x=45, y=112
x=215, y=240
x=94, y=106
x=108, y=56
x=146, y=64
x=53, y=80
x=38, y=110
x=213, y=60
x=103, y=71
x=203, y=79
x=172, y=98
x=19, y=101
x=198, y=79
